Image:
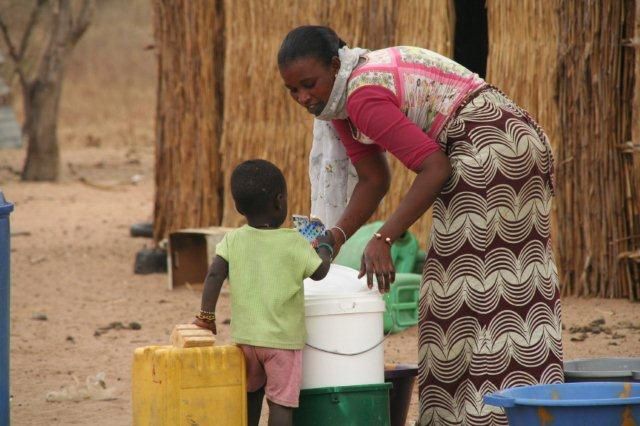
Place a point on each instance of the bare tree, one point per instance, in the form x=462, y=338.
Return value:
x=41, y=90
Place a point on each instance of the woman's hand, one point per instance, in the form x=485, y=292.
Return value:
x=376, y=259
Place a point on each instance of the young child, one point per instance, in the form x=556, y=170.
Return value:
x=265, y=266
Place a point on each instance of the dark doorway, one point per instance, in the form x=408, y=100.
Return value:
x=471, y=37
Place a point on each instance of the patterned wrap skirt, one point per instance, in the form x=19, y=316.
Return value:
x=490, y=305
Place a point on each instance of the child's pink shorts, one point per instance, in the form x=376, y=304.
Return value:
x=278, y=370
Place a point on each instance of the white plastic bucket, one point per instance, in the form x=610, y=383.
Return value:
x=344, y=321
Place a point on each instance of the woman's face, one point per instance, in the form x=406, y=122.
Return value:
x=309, y=81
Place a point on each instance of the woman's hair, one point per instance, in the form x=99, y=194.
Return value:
x=255, y=184
x=310, y=41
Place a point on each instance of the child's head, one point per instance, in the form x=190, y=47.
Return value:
x=260, y=192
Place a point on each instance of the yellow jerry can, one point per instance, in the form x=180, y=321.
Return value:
x=190, y=386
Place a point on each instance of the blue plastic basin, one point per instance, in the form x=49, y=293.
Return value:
x=571, y=404
x=602, y=370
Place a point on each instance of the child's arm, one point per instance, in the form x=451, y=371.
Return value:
x=218, y=272
x=325, y=253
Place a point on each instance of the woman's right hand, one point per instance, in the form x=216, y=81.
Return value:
x=376, y=260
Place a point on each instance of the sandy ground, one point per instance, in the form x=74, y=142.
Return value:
x=72, y=257
x=72, y=260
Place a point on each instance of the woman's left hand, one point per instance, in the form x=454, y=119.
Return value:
x=376, y=259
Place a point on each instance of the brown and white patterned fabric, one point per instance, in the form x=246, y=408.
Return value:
x=490, y=305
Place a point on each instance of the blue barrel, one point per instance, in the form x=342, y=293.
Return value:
x=570, y=404
x=5, y=304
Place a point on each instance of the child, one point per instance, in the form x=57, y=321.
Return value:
x=265, y=266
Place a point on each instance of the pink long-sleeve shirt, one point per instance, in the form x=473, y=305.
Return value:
x=393, y=90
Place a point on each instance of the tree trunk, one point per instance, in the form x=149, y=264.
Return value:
x=41, y=100
x=42, y=94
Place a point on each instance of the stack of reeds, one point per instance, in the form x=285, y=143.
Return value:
x=630, y=149
x=564, y=61
x=261, y=120
x=189, y=114
x=591, y=209
x=522, y=62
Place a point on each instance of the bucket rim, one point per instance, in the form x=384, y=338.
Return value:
x=503, y=399
x=343, y=306
x=5, y=206
x=347, y=389
x=600, y=374
x=400, y=371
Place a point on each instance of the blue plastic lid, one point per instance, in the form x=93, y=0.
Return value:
x=5, y=207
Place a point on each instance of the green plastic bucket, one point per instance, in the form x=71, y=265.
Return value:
x=344, y=406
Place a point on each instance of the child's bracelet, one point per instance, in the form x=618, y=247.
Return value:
x=327, y=246
x=206, y=316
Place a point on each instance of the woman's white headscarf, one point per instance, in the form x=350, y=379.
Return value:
x=332, y=175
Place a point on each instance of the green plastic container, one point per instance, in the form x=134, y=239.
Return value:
x=404, y=250
x=401, y=303
x=344, y=406
x=421, y=258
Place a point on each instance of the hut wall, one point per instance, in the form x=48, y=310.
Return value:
x=221, y=100
x=630, y=151
x=590, y=182
x=189, y=115
x=523, y=48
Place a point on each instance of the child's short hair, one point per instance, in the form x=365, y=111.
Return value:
x=255, y=184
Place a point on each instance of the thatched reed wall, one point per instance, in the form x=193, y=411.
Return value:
x=564, y=62
x=188, y=118
x=522, y=62
x=630, y=150
x=261, y=120
x=591, y=210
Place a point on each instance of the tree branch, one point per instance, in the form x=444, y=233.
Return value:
x=33, y=19
x=82, y=21
x=13, y=53
x=17, y=55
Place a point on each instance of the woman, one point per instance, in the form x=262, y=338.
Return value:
x=490, y=308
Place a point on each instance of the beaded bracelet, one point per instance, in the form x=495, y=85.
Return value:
x=378, y=236
x=327, y=246
x=206, y=316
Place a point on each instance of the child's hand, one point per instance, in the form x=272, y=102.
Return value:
x=329, y=238
x=209, y=325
